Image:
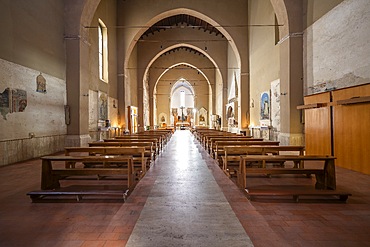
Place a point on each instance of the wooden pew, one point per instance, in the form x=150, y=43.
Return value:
x=212, y=141
x=50, y=175
x=207, y=136
x=232, y=155
x=155, y=141
x=158, y=140
x=137, y=154
x=163, y=138
x=200, y=132
x=325, y=175
x=164, y=134
x=167, y=133
x=219, y=146
x=149, y=147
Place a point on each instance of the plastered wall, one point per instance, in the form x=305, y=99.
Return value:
x=315, y=9
x=106, y=12
x=33, y=35
x=166, y=83
x=32, y=42
x=264, y=55
x=40, y=127
x=336, y=48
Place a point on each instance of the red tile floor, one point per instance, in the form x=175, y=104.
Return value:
x=102, y=223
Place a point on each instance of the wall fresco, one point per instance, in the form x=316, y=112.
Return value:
x=12, y=100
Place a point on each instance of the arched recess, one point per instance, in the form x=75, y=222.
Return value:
x=182, y=102
x=78, y=15
x=175, y=12
x=160, y=96
x=222, y=72
x=151, y=88
x=289, y=15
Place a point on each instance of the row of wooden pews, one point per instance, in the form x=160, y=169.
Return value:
x=243, y=156
x=105, y=168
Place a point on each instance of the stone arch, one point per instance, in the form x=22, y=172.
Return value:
x=172, y=12
x=289, y=14
x=187, y=85
x=205, y=85
x=152, y=88
x=175, y=12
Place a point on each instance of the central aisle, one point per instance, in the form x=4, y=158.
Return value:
x=186, y=207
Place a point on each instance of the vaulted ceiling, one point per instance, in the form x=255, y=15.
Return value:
x=182, y=21
x=183, y=48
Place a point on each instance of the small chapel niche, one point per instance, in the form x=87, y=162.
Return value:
x=40, y=84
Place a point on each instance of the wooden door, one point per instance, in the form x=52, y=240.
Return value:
x=352, y=128
x=318, y=138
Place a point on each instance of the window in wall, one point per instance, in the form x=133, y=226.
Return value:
x=103, y=51
x=182, y=98
x=277, y=34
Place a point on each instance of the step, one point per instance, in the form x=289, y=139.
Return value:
x=38, y=195
x=296, y=193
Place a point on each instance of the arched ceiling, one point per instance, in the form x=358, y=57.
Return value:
x=183, y=48
x=182, y=83
x=182, y=66
x=181, y=21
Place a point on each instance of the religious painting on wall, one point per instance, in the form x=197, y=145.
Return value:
x=103, y=106
x=19, y=100
x=4, y=103
x=12, y=100
x=230, y=114
x=203, y=114
x=265, y=106
x=40, y=84
x=275, y=105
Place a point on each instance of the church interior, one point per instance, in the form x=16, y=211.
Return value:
x=208, y=116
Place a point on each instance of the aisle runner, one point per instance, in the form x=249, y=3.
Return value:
x=186, y=206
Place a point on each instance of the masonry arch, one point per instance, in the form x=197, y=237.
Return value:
x=187, y=77
x=199, y=46
x=79, y=15
x=153, y=75
x=176, y=11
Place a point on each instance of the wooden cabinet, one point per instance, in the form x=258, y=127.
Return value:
x=351, y=121
x=318, y=124
x=338, y=123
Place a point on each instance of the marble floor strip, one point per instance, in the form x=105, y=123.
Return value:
x=186, y=207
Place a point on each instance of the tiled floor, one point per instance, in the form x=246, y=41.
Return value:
x=267, y=222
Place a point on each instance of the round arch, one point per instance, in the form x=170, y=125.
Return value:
x=175, y=12
x=79, y=14
x=149, y=110
x=186, y=83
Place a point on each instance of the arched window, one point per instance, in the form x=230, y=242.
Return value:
x=103, y=51
x=182, y=98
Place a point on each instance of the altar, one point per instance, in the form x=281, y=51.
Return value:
x=182, y=125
